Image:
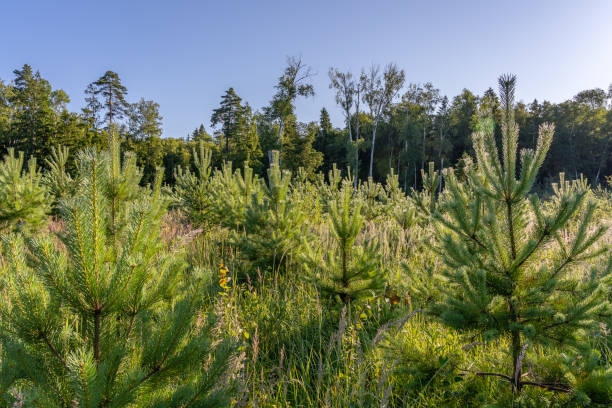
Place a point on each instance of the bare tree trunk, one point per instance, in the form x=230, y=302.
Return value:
x=356, y=178
x=353, y=144
x=372, y=149
x=440, y=184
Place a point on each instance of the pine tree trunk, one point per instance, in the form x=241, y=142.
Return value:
x=516, y=335
x=96, y=335
x=344, y=297
x=110, y=110
x=516, y=351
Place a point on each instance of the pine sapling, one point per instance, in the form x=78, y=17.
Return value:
x=23, y=197
x=58, y=181
x=274, y=223
x=100, y=315
x=347, y=271
x=426, y=199
x=192, y=190
x=508, y=261
x=231, y=194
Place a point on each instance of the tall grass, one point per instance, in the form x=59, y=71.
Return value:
x=301, y=350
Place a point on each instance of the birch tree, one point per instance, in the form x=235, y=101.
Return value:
x=294, y=82
x=346, y=90
x=379, y=92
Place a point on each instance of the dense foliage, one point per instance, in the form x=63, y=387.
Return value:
x=388, y=124
x=251, y=279
x=102, y=313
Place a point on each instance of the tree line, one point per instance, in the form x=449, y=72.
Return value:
x=388, y=125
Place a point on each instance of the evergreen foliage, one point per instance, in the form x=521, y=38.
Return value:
x=107, y=93
x=122, y=181
x=115, y=303
x=274, y=223
x=58, y=181
x=192, y=191
x=23, y=197
x=397, y=204
x=372, y=195
x=423, y=126
x=103, y=314
x=298, y=151
x=233, y=192
x=426, y=199
x=492, y=235
x=228, y=114
x=348, y=271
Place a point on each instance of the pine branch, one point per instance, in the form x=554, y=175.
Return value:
x=546, y=385
x=44, y=337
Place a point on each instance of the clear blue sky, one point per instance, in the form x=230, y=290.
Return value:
x=184, y=54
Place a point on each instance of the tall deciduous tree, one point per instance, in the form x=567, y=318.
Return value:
x=144, y=120
x=347, y=96
x=423, y=101
x=294, y=82
x=379, y=92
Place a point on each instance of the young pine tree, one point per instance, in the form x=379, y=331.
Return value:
x=508, y=262
x=347, y=272
x=192, y=190
x=232, y=194
x=102, y=315
x=57, y=179
x=397, y=204
x=23, y=197
x=426, y=199
x=274, y=223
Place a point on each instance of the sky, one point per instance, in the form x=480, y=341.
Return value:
x=185, y=54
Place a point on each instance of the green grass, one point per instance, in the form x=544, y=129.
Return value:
x=298, y=350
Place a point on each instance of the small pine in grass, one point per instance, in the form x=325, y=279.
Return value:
x=398, y=205
x=102, y=314
x=347, y=272
x=232, y=192
x=426, y=199
x=372, y=195
x=508, y=262
x=327, y=192
x=23, y=197
x=192, y=190
x=57, y=179
x=274, y=223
